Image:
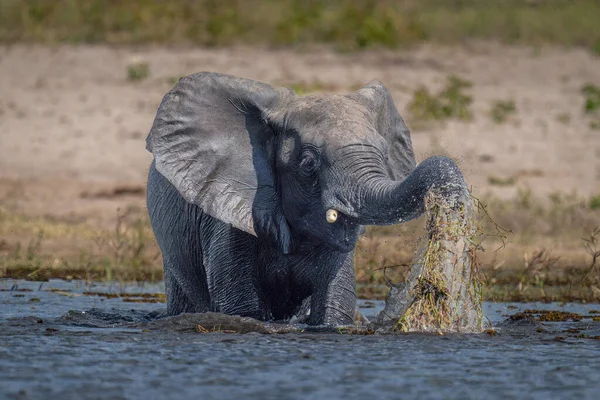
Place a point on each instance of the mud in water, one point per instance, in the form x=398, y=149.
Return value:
x=58, y=340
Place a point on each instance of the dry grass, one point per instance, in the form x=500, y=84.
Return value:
x=537, y=254
x=43, y=248
x=533, y=250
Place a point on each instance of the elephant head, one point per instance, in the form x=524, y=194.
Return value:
x=291, y=169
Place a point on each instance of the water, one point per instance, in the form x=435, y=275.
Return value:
x=68, y=345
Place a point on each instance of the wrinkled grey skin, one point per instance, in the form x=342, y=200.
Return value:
x=243, y=176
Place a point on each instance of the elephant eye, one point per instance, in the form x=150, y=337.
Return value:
x=309, y=161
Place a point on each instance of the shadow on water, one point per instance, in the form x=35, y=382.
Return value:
x=68, y=340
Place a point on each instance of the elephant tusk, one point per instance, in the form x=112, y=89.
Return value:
x=332, y=216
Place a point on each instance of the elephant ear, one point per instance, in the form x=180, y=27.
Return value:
x=390, y=125
x=212, y=139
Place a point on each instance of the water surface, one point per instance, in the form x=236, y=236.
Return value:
x=56, y=342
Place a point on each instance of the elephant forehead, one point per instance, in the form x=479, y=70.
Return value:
x=327, y=109
x=330, y=117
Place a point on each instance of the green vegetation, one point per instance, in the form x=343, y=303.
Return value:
x=502, y=109
x=138, y=71
x=595, y=202
x=494, y=180
x=592, y=98
x=346, y=24
x=591, y=94
x=449, y=102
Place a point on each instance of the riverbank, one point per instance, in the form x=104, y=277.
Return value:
x=518, y=120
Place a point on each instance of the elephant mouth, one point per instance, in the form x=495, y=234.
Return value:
x=344, y=245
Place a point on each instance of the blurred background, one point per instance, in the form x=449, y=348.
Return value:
x=508, y=88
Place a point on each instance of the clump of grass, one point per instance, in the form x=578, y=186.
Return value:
x=450, y=102
x=591, y=106
x=448, y=295
x=502, y=109
x=592, y=98
x=138, y=71
x=595, y=202
x=494, y=180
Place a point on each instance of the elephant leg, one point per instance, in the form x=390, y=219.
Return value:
x=185, y=281
x=335, y=303
x=230, y=259
x=185, y=277
x=178, y=302
x=176, y=225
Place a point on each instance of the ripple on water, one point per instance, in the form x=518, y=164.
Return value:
x=72, y=345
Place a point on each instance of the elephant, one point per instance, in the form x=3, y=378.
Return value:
x=257, y=196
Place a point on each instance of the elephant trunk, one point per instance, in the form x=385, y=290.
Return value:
x=384, y=202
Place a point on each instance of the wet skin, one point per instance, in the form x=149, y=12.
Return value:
x=257, y=196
